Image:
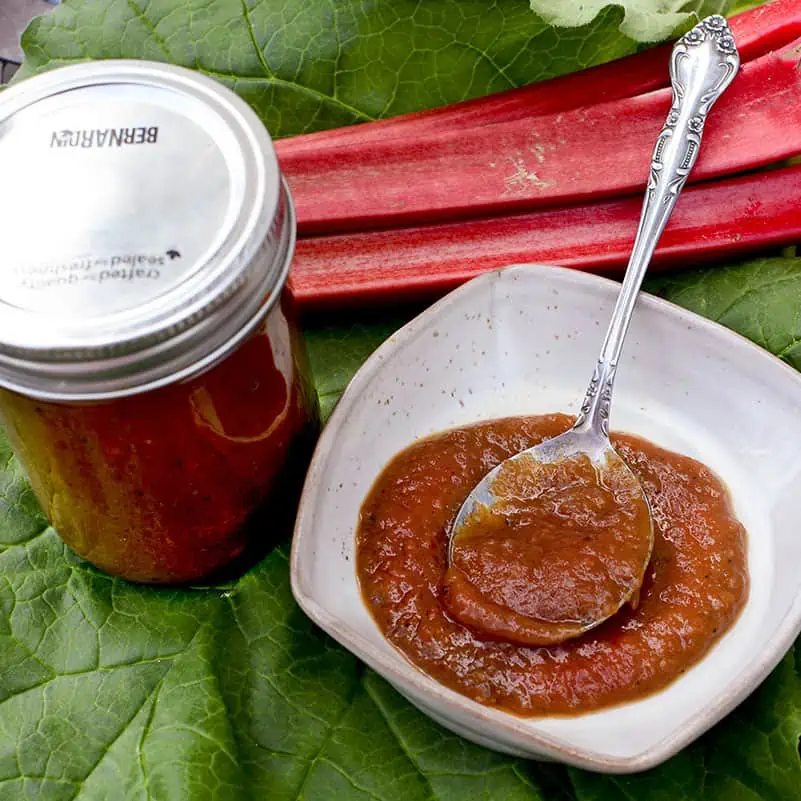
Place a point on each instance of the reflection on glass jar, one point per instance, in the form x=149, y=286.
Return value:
x=158, y=487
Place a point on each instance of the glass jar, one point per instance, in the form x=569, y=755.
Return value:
x=153, y=380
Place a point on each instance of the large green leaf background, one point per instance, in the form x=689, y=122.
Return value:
x=311, y=64
x=114, y=691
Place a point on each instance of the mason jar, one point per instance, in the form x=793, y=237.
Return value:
x=153, y=379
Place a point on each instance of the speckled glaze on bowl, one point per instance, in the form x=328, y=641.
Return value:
x=524, y=341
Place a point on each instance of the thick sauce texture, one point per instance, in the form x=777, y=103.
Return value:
x=159, y=487
x=694, y=588
x=562, y=548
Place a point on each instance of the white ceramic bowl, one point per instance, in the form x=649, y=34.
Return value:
x=524, y=341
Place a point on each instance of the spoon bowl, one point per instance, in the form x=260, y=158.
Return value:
x=564, y=598
x=703, y=64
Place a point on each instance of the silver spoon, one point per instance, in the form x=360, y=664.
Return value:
x=703, y=63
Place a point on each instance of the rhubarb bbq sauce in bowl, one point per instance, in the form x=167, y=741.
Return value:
x=153, y=380
x=467, y=623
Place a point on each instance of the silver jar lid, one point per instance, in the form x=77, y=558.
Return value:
x=144, y=228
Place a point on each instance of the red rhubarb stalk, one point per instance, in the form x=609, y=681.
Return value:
x=588, y=153
x=756, y=32
x=715, y=220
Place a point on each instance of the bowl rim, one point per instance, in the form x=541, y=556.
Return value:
x=400, y=671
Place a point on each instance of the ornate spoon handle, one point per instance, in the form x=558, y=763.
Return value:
x=703, y=63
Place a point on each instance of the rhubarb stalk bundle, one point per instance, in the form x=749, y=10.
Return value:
x=419, y=203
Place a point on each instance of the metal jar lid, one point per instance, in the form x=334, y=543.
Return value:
x=144, y=228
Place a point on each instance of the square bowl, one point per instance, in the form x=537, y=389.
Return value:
x=524, y=340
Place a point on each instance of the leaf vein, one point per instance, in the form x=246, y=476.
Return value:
x=328, y=735
x=400, y=740
x=151, y=29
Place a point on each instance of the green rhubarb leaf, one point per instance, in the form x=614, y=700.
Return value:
x=759, y=299
x=313, y=64
x=337, y=348
x=643, y=20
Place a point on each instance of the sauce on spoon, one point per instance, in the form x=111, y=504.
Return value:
x=554, y=554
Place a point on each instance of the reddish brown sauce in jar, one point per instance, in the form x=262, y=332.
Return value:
x=694, y=589
x=159, y=487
